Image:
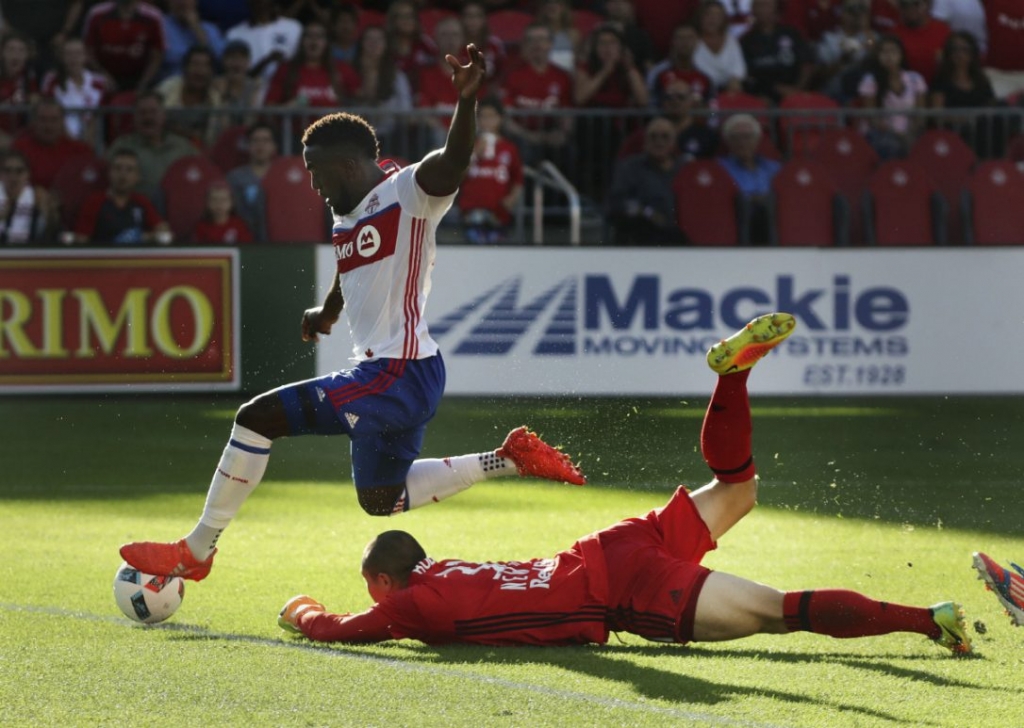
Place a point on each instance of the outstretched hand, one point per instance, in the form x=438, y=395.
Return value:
x=294, y=608
x=468, y=78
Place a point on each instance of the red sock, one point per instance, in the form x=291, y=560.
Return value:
x=843, y=613
x=725, y=436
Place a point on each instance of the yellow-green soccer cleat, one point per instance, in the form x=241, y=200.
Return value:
x=743, y=349
x=949, y=616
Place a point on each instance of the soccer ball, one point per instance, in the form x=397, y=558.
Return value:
x=146, y=598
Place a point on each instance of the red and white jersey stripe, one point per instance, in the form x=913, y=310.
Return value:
x=385, y=249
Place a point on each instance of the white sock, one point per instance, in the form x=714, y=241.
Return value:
x=430, y=481
x=239, y=471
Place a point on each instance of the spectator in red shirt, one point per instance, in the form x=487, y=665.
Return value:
x=125, y=40
x=46, y=143
x=538, y=85
x=76, y=87
x=1004, y=63
x=477, y=32
x=608, y=80
x=18, y=84
x=435, y=90
x=494, y=182
x=679, y=67
x=121, y=215
x=922, y=36
x=220, y=225
x=312, y=78
x=413, y=49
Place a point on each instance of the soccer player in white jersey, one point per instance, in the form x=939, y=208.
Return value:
x=384, y=224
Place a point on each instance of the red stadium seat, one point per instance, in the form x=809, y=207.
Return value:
x=295, y=212
x=949, y=161
x=77, y=179
x=808, y=207
x=801, y=134
x=994, y=202
x=904, y=206
x=850, y=160
x=231, y=148
x=509, y=25
x=1016, y=151
x=706, y=203
x=735, y=102
x=183, y=187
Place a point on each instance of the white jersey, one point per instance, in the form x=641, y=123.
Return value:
x=385, y=249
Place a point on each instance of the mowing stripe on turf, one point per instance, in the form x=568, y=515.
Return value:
x=334, y=652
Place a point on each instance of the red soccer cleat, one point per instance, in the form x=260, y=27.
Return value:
x=167, y=559
x=535, y=457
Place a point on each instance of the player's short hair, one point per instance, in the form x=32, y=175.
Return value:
x=342, y=129
x=394, y=553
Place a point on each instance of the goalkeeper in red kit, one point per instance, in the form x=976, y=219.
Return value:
x=642, y=575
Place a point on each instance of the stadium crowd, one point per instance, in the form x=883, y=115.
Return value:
x=127, y=122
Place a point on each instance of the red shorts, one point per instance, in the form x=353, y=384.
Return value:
x=654, y=572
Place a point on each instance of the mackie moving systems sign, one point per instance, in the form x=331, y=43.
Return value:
x=110, y=320
x=635, y=321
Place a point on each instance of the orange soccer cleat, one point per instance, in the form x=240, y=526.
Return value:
x=166, y=559
x=535, y=457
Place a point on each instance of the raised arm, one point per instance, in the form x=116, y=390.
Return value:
x=441, y=171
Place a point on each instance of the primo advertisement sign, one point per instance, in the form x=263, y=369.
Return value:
x=110, y=320
x=585, y=321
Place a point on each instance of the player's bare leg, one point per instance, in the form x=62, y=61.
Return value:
x=729, y=607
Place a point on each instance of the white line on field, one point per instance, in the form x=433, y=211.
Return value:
x=614, y=703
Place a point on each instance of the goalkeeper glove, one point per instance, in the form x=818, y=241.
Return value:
x=288, y=618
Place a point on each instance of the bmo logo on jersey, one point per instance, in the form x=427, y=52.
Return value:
x=371, y=240
x=368, y=242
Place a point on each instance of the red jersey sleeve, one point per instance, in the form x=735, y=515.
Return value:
x=370, y=626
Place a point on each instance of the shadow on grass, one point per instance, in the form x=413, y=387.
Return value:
x=687, y=691
x=949, y=461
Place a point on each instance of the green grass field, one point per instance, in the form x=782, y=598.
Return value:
x=888, y=497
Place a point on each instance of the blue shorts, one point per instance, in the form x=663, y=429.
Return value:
x=382, y=405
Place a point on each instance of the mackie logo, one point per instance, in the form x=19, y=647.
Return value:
x=498, y=330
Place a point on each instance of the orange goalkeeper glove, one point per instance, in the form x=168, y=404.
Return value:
x=288, y=618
